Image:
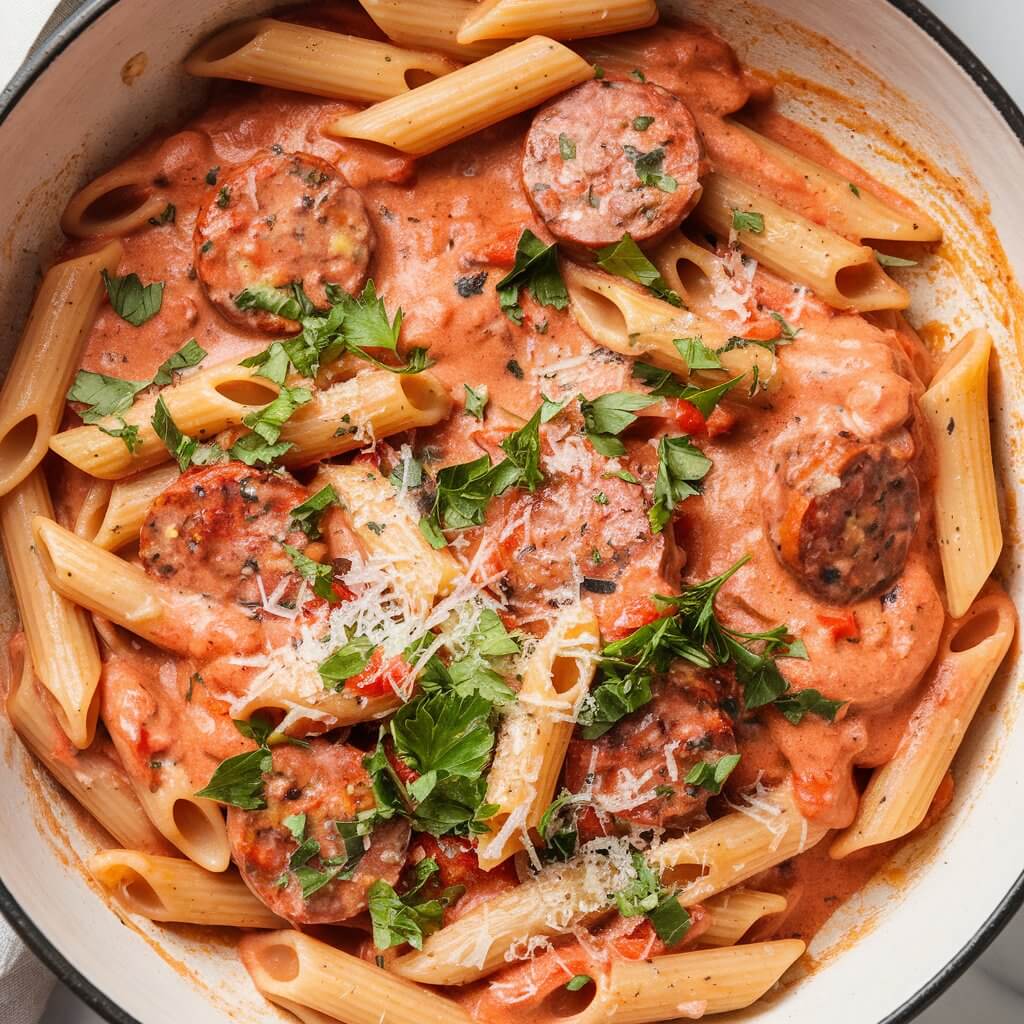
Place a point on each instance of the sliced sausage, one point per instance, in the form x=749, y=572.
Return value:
x=328, y=784
x=611, y=157
x=278, y=219
x=845, y=519
x=582, y=529
x=217, y=530
x=649, y=753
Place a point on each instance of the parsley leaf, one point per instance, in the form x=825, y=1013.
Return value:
x=522, y=450
x=608, y=415
x=238, y=780
x=131, y=301
x=748, y=220
x=476, y=401
x=128, y=433
x=642, y=123
x=786, y=330
x=254, y=451
x=649, y=168
x=318, y=575
x=181, y=446
x=697, y=355
x=489, y=636
x=291, y=303
x=557, y=828
x=408, y=471
x=268, y=421
x=347, y=661
x=646, y=895
x=306, y=517
x=625, y=259
x=190, y=354
x=795, y=704
x=105, y=396
x=408, y=918
x=680, y=465
x=578, y=981
x=549, y=409
x=366, y=319
x=536, y=269
x=712, y=776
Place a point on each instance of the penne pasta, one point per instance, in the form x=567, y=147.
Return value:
x=536, y=730
x=689, y=984
x=286, y=692
x=843, y=274
x=470, y=99
x=622, y=317
x=117, y=521
x=100, y=581
x=377, y=403
x=568, y=19
x=388, y=530
x=114, y=204
x=172, y=889
x=94, y=777
x=967, y=509
x=900, y=792
x=61, y=640
x=310, y=60
x=302, y=971
x=766, y=831
x=194, y=826
x=851, y=210
x=474, y=945
x=430, y=25
x=735, y=911
x=32, y=398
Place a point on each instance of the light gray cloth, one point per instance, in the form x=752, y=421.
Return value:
x=25, y=984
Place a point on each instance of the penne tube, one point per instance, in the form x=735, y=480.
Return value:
x=735, y=911
x=115, y=204
x=61, y=639
x=193, y=825
x=843, y=274
x=287, y=693
x=628, y=320
x=689, y=984
x=90, y=514
x=310, y=60
x=33, y=394
x=766, y=831
x=567, y=19
x=900, y=792
x=536, y=730
x=302, y=971
x=850, y=210
x=119, y=520
x=172, y=889
x=429, y=25
x=388, y=531
x=94, y=777
x=100, y=581
x=967, y=510
x=559, y=898
x=377, y=403
x=470, y=99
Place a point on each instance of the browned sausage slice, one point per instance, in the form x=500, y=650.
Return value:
x=277, y=219
x=611, y=157
x=649, y=753
x=847, y=517
x=328, y=784
x=217, y=530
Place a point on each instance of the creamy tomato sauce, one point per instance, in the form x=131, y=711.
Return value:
x=837, y=447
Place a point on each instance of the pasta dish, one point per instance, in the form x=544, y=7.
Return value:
x=483, y=526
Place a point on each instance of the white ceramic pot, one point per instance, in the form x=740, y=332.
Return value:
x=894, y=90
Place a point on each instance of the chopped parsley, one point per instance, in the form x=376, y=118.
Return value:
x=646, y=895
x=681, y=466
x=318, y=575
x=625, y=259
x=637, y=75
x=167, y=216
x=796, y=703
x=306, y=517
x=476, y=401
x=893, y=261
x=409, y=917
x=649, y=168
x=855, y=190
x=664, y=384
x=578, y=981
x=132, y=301
x=238, y=781
x=642, y=123
x=347, y=661
x=712, y=775
x=190, y=354
x=609, y=415
x=748, y=220
x=697, y=355
x=128, y=433
x=566, y=147
x=536, y=270
x=787, y=332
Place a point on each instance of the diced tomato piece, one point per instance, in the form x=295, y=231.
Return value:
x=458, y=864
x=378, y=681
x=402, y=770
x=500, y=253
x=369, y=458
x=618, y=621
x=684, y=416
x=841, y=625
x=721, y=421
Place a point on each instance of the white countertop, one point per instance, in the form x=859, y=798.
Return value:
x=993, y=29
